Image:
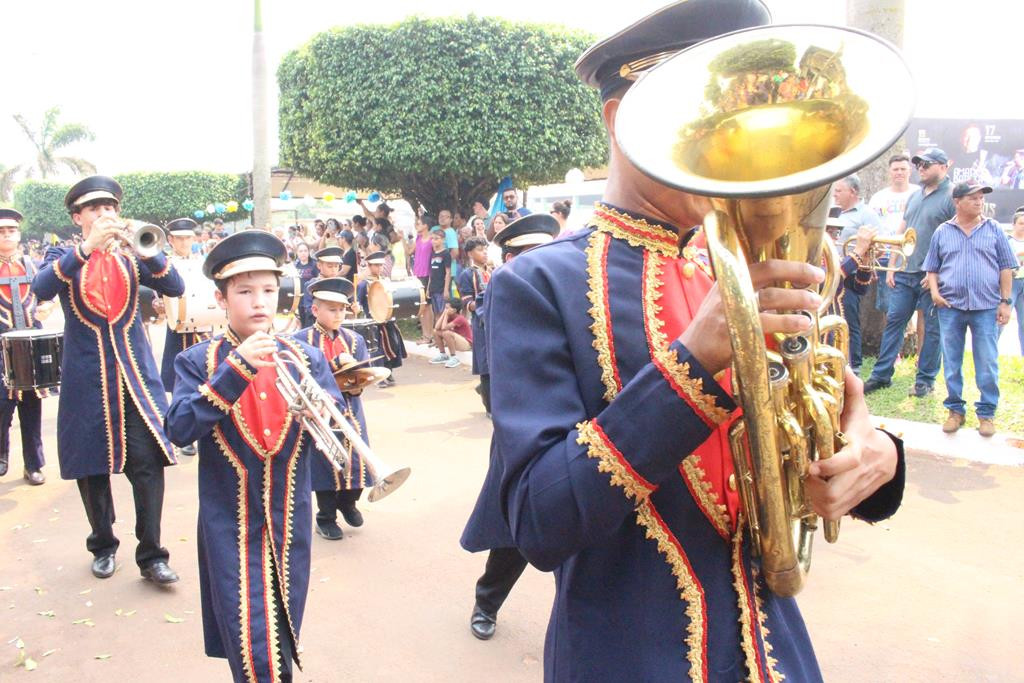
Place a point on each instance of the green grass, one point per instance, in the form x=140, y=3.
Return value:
x=894, y=402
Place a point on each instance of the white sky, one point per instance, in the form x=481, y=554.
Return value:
x=165, y=85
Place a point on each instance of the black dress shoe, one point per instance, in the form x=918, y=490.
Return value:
x=189, y=449
x=353, y=517
x=3, y=465
x=482, y=624
x=874, y=385
x=35, y=478
x=159, y=572
x=921, y=390
x=329, y=530
x=103, y=566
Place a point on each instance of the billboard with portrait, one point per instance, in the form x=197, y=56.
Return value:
x=989, y=151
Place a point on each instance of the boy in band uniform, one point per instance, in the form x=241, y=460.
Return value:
x=18, y=312
x=332, y=299
x=254, y=489
x=487, y=528
x=472, y=283
x=112, y=402
x=389, y=337
x=328, y=264
x=181, y=234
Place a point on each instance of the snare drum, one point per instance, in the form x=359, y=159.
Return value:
x=396, y=299
x=289, y=295
x=196, y=310
x=147, y=297
x=368, y=329
x=32, y=358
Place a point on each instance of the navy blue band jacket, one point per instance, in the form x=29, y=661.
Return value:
x=615, y=468
x=107, y=358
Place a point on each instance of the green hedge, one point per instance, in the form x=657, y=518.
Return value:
x=153, y=197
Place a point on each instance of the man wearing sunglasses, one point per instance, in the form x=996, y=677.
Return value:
x=927, y=209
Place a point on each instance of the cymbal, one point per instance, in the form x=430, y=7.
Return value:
x=360, y=377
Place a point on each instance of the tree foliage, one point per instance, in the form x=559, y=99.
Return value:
x=41, y=202
x=153, y=197
x=438, y=110
x=50, y=139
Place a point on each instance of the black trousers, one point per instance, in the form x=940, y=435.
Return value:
x=329, y=502
x=485, y=391
x=144, y=467
x=503, y=569
x=30, y=419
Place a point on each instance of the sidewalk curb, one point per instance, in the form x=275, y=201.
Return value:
x=965, y=444
x=428, y=352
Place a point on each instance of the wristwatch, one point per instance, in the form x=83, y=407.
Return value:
x=1008, y=302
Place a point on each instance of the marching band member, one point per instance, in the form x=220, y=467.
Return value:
x=487, y=528
x=472, y=283
x=18, y=312
x=332, y=298
x=389, y=337
x=112, y=403
x=254, y=488
x=611, y=425
x=328, y=264
x=181, y=234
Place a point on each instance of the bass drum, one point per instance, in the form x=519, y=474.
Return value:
x=197, y=309
x=289, y=295
x=368, y=329
x=395, y=299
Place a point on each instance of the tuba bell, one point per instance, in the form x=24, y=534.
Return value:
x=761, y=122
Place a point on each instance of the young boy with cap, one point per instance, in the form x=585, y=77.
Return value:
x=18, y=312
x=254, y=488
x=112, y=402
x=332, y=299
x=472, y=283
x=181, y=235
x=328, y=264
x=389, y=337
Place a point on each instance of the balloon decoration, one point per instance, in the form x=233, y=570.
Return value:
x=351, y=196
x=374, y=197
x=309, y=200
x=328, y=197
x=285, y=195
x=210, y=209
x=219, y=208
x=248, y=204
x=199, y=214
x=232, y=206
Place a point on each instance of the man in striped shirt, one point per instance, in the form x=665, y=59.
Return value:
x=970, y=269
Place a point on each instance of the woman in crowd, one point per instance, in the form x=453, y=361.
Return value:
x=498, y=223
x=560, y=210
x=305, y=266
x=1017, y=245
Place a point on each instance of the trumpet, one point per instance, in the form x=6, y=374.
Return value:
x=888, y=253
x=322, y=419
x=145, y=239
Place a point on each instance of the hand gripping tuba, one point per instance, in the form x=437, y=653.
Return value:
x=322, y=419
x=761, y=122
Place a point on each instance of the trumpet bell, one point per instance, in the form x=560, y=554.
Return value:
x=147, y=240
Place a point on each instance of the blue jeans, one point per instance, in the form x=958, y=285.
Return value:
x=1017, y=297
x=851, y=311
x=882, y=290
x=984, y=335
x=907, y=296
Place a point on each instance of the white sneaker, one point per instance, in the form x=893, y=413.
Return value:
x=439, y=358
x=453, y=362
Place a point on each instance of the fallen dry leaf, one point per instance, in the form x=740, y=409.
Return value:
x=102, y=657
x=39, y=591
x=49, y=652
x=6, y=588
x=172, y=619
x=30, y=664
x=124, y=613
x=85, y=622
x=85, y=592
x=47, y=613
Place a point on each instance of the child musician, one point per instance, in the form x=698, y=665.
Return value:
x=254, y=489
x=390, y=341
x=332, y=299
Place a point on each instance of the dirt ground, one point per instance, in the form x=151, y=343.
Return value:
x=933, y=595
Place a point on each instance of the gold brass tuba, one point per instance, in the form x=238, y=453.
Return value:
x=894, y=249
x=761, y=122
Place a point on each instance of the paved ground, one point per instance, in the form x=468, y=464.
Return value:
x=934, y=595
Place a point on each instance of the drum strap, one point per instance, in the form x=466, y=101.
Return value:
x=15, y=284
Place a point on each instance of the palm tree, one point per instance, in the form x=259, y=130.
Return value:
x=51, y=139
x=261, y=153
x=7, y=181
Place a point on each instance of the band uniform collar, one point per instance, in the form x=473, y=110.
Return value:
x=640, y=230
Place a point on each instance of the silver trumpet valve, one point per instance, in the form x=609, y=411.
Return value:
x=321, y=418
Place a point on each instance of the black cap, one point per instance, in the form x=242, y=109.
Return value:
x=346, y=235
x=933, y=155
x=616, y=61
x=91, y=189
x=330, y=254
x=10, y=218
x=961, y=190
x=336, y=289
x=245, y=252
x=528, y=231
x=182, y=227
x=380, y=257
